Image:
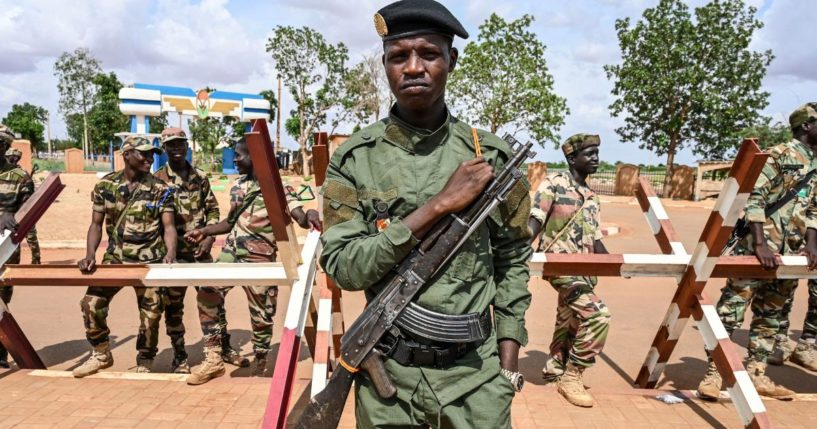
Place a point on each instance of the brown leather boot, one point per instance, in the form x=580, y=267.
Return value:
x=710, y=387
x=764, y=385
x=572, y=387
x=212, y=367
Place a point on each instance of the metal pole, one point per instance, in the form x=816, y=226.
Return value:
x=278, y=114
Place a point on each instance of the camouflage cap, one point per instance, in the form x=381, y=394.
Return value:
x=6, y=135
x=580, y=141
x=803, y=114
x=139, y=143
x=174, y=133
x=14, y=152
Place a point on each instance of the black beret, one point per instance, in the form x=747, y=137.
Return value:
x=407, y=18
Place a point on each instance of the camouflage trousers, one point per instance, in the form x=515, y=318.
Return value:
x=34, y=245
x=810, y=323
x=96, y=303
x=767, y=299
x=262, y=302
x=6, y=292
x=582, y=324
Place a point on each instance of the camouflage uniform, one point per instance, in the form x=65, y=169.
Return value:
x=582, y=319
x=250, y=240
x=31, y=236
x=785, y=232
x=15, y=187
x=136, y=239
x=196, y=207
x=403, y=166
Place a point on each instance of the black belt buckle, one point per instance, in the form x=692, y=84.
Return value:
x=424, y=355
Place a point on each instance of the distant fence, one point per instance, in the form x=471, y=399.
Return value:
x=604, y=182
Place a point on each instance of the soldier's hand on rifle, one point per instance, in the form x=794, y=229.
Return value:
x=7, y=222
x=465, y=185
x=766, y=257
x=87, y=265
x=195, y=236
x=205, y=247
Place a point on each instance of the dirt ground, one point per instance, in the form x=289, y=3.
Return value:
x=51, y=318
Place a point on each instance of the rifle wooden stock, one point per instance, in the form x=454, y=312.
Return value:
x=325, y=409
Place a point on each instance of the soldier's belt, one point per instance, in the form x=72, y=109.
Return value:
x=424, y=324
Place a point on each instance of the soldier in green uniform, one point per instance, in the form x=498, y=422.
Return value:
x=136, y=209
x=196, y=207
x=13, y=156
x=567, y=213
x=789, y=230
x=250, y=240
x=15, y=188
x=385, y=188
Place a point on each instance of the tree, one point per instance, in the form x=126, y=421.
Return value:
x=158, y=123
x=685, y=80
x=502, y=80
x=363, y=98
x=768, y=134
x=76, y=72
x=208, y=133
x=314, y=72
x=104, y=118
x=27, y=120
x=75, y=127
x=269, y=95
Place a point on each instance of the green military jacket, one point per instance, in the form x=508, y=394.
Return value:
x=15, y=187
x=133, y=220
x=404, y=167
x=785, y=230
x=570, y=215
x=196, y=205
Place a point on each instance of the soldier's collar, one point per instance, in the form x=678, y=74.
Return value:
x=413, y=139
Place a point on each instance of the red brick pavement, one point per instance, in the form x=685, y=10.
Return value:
x=59, y=401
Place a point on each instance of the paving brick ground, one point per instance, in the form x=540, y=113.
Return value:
x=55, y=400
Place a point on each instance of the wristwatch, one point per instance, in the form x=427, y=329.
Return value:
x=516, y=379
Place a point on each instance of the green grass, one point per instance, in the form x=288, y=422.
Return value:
x=49, y=165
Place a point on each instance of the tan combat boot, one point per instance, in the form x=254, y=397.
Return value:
x=710, y=387
x=259, y=366
x=764, y=385
x=783, y=348
x=212, y=367
x=572, y=387
x=180, y=365
x=101, y=358
x=231, y=355
x=805, y=355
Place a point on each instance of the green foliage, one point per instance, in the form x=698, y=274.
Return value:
x=27, y=120
x=686, y=79
x=75, y=73
x=768, y=134
x=363, y=102
x=292, y=126
x=48, y=164
x=314, y=71
x=75, y=128
x=104, y=118
x=158, y=123
x=208, y=133
x=502, y=80
x=269, y=95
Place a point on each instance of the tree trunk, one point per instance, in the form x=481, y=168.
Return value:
x=307, y=171
x=85, y=141
x=670, y=166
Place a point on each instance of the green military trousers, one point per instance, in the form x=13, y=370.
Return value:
x=487, y=406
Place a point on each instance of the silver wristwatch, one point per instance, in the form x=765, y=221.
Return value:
x=516, y=379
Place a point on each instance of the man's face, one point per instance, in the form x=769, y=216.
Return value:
x=243, y=163
x=586, y=161
x=176, y=149
x=417, y=69
x=139, y=161
x=811, y=132
x=13, y=159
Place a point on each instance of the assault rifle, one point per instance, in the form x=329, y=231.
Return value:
x=360, y=344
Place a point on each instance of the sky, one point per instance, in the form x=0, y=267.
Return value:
x=221, y=44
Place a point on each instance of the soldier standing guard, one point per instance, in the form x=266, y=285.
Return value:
x=137, y=211
x=250, y=240
x=789, y=230
x=567, y=212
x=15, y=188
x=196, y=207
x=13, y=156
x=385, y=188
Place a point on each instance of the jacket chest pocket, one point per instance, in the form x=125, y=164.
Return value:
x=465, y=266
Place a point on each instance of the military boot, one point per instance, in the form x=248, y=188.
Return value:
x=783, y=348
x=231, y=355
x=805, y=355
x=101, y=358
x=710, y=387
x=144, y=366
x=572, y=387
x=180, y=365
x=212, y=367
x=764, y=385
x=259, y=364
x=4, y=357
